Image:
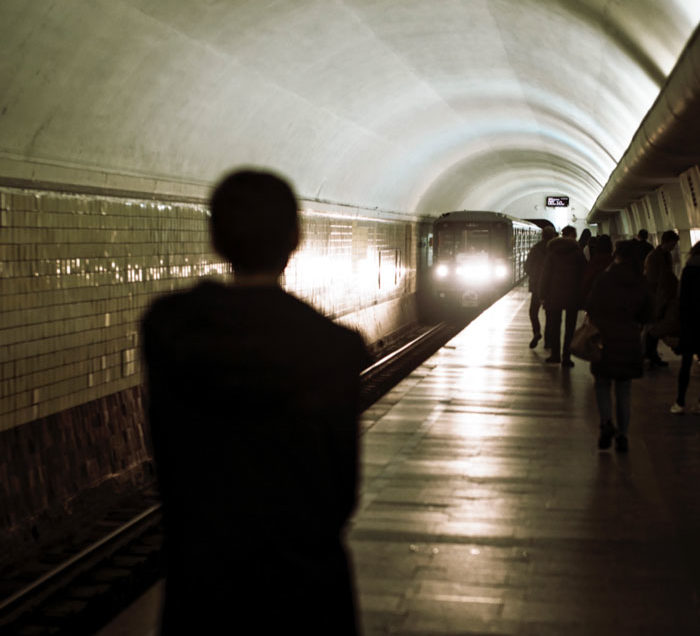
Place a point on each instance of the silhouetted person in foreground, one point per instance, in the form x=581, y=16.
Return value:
x=560, y=290
x=253, y=399
x=619, y=304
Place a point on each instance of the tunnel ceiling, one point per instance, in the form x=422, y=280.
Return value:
x=403, y=105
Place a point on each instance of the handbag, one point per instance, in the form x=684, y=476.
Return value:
x=587, y=342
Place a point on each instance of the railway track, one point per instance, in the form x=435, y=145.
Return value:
x=78, y=592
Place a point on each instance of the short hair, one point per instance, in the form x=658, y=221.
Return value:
x=548, y=232
x=569, y=231
x=669, y=235
x=254, y=220
x=643, y=234
x=626, y=250
x=695, y=250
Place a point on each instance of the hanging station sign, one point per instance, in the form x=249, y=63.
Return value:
x=557, y=202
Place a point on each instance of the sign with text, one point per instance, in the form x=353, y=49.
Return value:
x=557, y=202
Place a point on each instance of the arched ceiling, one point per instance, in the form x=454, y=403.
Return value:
x=403, y=105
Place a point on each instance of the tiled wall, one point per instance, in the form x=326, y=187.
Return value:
x=77, y=272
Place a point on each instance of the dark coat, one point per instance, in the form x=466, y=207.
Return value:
x=253, y=415
x=560, y=283
x=618, y=305
x=689, y=307
x=599, y=263
x=643, y=249
x=534, y=263
x=662, y=282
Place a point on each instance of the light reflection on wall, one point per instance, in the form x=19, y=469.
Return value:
x=78, y=271
x=346, y=264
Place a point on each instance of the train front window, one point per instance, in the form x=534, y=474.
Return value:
x=466, y=241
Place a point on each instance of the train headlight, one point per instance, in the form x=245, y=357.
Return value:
x=475, y=273
x=500, y=271
x=442, y=271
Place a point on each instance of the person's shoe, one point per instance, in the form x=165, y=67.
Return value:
x=535, y=340
x=607, y=432
x=677, y=409
x=657, y=362
x=567, y=362
x=621, y=444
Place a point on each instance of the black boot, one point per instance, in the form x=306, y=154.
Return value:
x=607, y=432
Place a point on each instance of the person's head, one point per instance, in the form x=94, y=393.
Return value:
x=254, y=221
x=568, y=231
x=585, y=237
x=625, y=251
x=642, y=235
x=695, y=250
x=548, y=233
x=669, y=239
x=603, y=244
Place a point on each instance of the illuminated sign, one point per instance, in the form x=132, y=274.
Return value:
x=557, y=202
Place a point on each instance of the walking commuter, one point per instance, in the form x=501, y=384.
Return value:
x=560, y=290
x=533, y=268
x=663, y=285
x=600, y=261
x=584, y=241
x=689, y=311
x=252, y=402
x=589, y=250
x=643, y=247
x=619, y=304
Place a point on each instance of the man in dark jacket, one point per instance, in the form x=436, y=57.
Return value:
x=560, y=289
x=663, y=286
x=533, y=268
x=643, y=247
x=253, y=412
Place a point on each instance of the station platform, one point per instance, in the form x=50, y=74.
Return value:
x=487, y=509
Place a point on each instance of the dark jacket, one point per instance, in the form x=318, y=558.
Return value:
x=689, y=307
x=534, y=263
x=643, y=249
x=253, y=415
x=599, y=263
x=661, y=281
x=618, y=305
x=560, y=283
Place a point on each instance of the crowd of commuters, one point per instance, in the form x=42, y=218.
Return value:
x=632, y=295
x=254, y=512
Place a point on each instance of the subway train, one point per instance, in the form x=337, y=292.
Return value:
x=477, y=256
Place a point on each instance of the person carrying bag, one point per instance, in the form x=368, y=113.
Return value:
x=587, y=342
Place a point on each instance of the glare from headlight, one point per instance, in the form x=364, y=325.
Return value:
x=442, y=271
x=501, y=271
x=475, y=273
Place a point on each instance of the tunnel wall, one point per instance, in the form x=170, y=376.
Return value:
x=78, y=270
